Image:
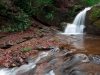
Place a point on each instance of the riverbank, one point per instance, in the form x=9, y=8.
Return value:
x=54, y=55
x=61, y=53
x=15, y=47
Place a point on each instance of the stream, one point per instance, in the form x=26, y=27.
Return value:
x=79, y=56
x=82, y=57
x=86, y=43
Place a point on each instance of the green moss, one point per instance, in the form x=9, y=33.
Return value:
x=95, y=17
x=26, y=49
x=94, y=14
x=97, y=24
x=72, y=12
x=89, y=2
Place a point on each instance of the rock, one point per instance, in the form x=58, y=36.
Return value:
x=48, y=13
x=93, y=20
x=58, y=12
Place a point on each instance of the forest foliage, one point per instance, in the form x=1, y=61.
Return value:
x=28, y=9
x=90, y=2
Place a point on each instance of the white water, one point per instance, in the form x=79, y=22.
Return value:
x=77, y=26
x=50, y=73
x=23, y=68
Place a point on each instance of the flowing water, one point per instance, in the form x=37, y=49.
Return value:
x=78, y=24
x=80, y=55
x=23, y=68
x=82, y=58
x=83, y=42
x=88, y=44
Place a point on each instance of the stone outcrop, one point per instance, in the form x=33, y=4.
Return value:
x=12, y=13
x=93, y=20
x=62, y=10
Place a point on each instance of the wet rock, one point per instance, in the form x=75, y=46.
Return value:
x=59, y=11
x=93, y=20
x=57, y=64
x=74, y=60
x=95, y=59
x=84, y=68
x=6, y=46
x=46, y=59
x=30, y=72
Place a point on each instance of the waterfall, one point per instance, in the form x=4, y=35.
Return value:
x=78, y=24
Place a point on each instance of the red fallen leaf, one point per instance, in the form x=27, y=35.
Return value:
x=29, y=44
x=27, y=53
x=17, y=48
x=35, y=51
x=22, y=46
x=10, y=54
x=1, y=58
x=4, y=58
x=6, y=64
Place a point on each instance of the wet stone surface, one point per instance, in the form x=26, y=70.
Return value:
x=69, y=64
x=66, y=55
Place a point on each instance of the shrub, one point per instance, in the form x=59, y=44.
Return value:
x=15, y=21
x=45, y=7
x=20, y=22
x=26, y=49
x=90, y=2
x=25, y=5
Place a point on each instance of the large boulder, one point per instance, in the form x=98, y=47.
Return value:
x=60, y=11
x=93, y=20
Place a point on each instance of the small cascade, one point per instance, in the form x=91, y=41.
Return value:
x=78, y=24
x=23, y=68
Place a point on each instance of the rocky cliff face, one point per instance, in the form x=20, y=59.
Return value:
x=93, y=20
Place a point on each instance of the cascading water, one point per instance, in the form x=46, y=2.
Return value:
x=78, y=24
x=24, y=68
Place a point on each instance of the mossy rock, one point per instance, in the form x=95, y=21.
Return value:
x=93, y=20
x=94, y=14
x=97, y=24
